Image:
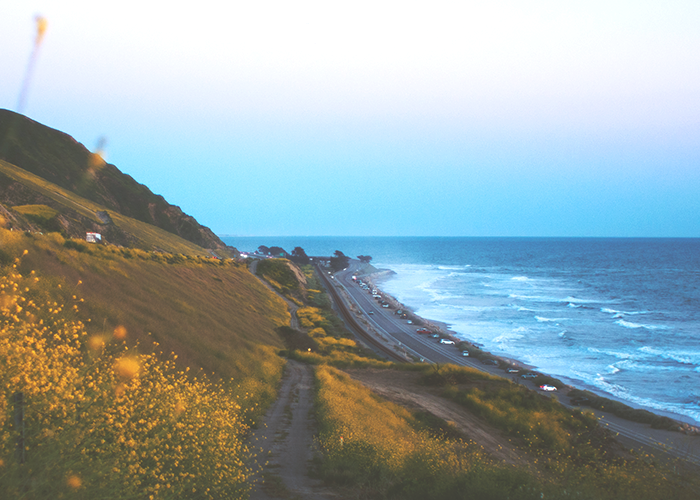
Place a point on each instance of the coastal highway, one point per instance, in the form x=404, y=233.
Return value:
x=395, y=330
x=402, y=337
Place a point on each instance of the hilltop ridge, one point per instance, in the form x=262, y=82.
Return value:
x=59, y=159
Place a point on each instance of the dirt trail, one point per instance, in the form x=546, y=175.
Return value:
x=401, y=388
x=293, y=321
x=287, y=440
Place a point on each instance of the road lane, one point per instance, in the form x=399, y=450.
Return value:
x=392, y=326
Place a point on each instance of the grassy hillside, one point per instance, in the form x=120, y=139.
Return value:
x=212, y=313
x=62, y=161
x=139, y=234
x=97, y=346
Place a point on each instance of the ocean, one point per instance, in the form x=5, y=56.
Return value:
x=620, y=317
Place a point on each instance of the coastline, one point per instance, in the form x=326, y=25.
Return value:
x=376, y=277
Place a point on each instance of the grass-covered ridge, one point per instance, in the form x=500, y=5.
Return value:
x=139, y=234
x=86, y=411
x=387, y=452
x=63, y=162
x=213, y=313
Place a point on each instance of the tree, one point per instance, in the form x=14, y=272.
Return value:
x=339, y=261
x=299, y=256
x=365, y=259
x=263, y=250
x=277, y=252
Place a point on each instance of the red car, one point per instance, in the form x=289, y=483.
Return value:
x=423, y=330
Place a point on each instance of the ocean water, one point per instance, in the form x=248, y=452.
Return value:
x=618, y=316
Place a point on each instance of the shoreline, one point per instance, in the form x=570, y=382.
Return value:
x=377, y=277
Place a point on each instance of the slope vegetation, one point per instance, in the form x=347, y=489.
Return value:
x=59, y=159
x=212, y=313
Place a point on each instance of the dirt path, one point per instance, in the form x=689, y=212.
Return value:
x=293, y=321
x=401, y=387
x=287, y=440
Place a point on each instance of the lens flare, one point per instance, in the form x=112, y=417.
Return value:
x=41, y=25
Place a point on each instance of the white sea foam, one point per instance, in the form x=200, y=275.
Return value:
x=572, y=305
x=683, y=357
x=619, y=314
x=629, y=324
x=542, y=319
x=617, y=354
x=520, y=278
x=692, y=411
x=562, y=334
x=575, y=300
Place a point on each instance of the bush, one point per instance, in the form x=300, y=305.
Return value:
x=75, y=245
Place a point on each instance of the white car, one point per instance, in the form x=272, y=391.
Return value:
x=447, y=341
x=548, y=388
x=465, y=353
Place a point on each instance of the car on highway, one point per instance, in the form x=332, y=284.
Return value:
x=447, y=341
x=371, y=313
x=435, y=335
x=409, y=322
x=424, y=330
x=548, y=388
x=465, y=353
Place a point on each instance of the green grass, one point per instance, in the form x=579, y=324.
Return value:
x=147, y=236
x=214, y=314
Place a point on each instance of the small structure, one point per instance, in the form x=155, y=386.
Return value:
x=93, y=237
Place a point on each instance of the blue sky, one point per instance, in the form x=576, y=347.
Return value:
x=537, y=118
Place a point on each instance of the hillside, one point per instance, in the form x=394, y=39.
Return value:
x=59, y=159
x=213, y=313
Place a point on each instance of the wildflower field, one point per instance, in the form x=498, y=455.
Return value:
x=88, y=411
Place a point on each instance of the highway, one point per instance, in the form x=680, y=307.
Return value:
x=403, y=337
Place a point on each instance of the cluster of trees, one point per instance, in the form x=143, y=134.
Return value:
x=274, y=251
x=297, y=256
x=338, y=261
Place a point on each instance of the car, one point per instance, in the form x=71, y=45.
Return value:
x=385, y=305
x=371, y=313
x=465, y=353
x=409, y=322
x=423, y=330
x=513, y=370
x=435, y=335
x=548, y=388
x=447, y=341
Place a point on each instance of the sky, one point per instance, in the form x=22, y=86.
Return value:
x=380, y=118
